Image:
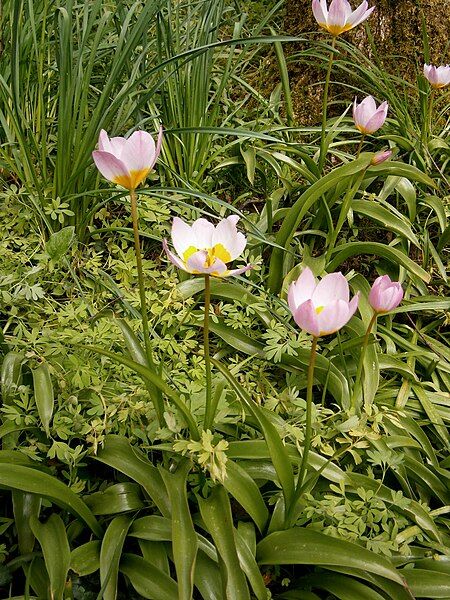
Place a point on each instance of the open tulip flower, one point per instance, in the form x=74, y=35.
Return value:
x=339, y=17
x=127, y=162
x=321, y=308
x=385, y=295
x=367, y=117
x=205, y=249
x=438, y=77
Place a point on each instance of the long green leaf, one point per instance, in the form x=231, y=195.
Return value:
x=43, y=395
x=184, y=539
x=300, y=545
x=55, y=548
x=110, y=555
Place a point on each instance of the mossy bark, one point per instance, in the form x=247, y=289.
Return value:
x=396, y=27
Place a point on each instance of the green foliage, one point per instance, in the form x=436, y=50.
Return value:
x=98, y=500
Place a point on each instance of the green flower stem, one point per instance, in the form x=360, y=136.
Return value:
x=308, y=430
x=357, y=384
x=430, y=114
x=322, y=154
x=358, y=152
x=209, y=409
x=159, y=406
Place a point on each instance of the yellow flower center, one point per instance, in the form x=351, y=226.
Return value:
x=216, y=252
x=319, y=309
x=131, y=180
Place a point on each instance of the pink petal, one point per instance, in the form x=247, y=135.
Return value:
x=226, y=234
x=331, y=288
x=360, y=14
x=158, y=146
x=377, y=120
x=338, y=13
x=334, y=316
x=172, y=257
x=182, y=236
x=364, y=111
x=110, y=167
x=306, y=318
x=104, y=145
x=240, y=270
x=196, y=264
x=139, y=151
x=301, y=290
x=320, y=11
x=203, y=231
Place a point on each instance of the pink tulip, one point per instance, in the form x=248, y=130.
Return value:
x=385, y=294
x=367, y=117
x=380, y=157
x=205, y=249
x=321, y=308
x=340, y=17
x=438, y=77
x=127, y=162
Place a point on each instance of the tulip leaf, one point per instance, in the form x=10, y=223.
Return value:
x=25, y=506
x=184, y=538
x=55, y=548
x=85, y=559
x=427, y=584
x=275, y=445
x=110, y=554
x=148, y=580
x=299, y=545
x=30, y=480
x=118, y=453
x=216, y=514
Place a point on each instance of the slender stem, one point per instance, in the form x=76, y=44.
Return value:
x=325, y=106
x=430, y=114
x=308, y=430
x=358, y=152
x=357, y=384
x=159, y=407
x=209, y=416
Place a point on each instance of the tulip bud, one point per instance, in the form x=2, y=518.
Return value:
x=380, y=157
x=438, y=77
x=367, y=117
x=385, y=295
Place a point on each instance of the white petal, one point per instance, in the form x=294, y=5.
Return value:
x=196, y=264
x=203, y=231
x=182, y=236
x=226, y=234
x=331, y=288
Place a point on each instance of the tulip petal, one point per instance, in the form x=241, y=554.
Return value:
x=301, y=290
x=182, y=236
x=320, y=12
x=158, y=146
x=239, y=271
x=111, y=168
x=377, y=120
x=197, y=263
x=172, y=257
x=226, y=234
x=360, y=14
x=338, y=13
x=306, y=318
x=333, y=317
x=331, y=288
x=203, y=231
x=139, y=151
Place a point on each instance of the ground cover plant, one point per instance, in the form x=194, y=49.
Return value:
x=224, y=370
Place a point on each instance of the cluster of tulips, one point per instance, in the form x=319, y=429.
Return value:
x=319, y=308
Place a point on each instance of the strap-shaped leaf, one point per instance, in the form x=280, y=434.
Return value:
x=18, y=477
x=304, y=546
x=118, y=453
x=184, y=538
x=274, y=443
x=110, y=554
x=55, y=548
x=216, y=514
